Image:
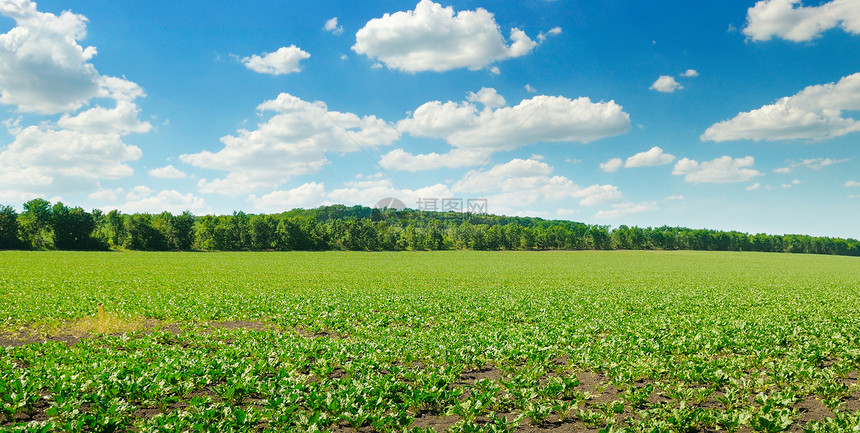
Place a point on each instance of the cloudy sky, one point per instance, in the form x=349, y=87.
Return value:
x=706, y=114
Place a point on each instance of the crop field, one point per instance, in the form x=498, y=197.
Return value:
x=437, y=341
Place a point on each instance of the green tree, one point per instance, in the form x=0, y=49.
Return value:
x=141, y=234
x=35, y=224
x=8, y=228
x=264, y=232
x=73, y=228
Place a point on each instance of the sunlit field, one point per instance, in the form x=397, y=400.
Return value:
x=610, y=341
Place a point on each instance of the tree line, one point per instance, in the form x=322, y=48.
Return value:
x=42, y=225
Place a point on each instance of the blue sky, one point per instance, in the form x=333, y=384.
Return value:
x=719, y=114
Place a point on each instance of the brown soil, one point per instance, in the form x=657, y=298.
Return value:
x=242, y=324
x=811, y=408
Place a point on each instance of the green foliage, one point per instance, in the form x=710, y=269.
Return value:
x=359, y=228
x=35, y=224
x=8, y=228
x=609, y=341
x=72, y=228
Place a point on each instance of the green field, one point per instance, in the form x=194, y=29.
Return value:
x=437, y=341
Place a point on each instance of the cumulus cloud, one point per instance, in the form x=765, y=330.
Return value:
x=55, y=156
x=754, y=187
x=309, y=195
x=168, y=200
x=435, y=38
x=814, y=113
x=525, y=181
x=486, y=96
x=612, y=165
x=284, y=61
x=622, y=209
x=331, y=26
x=721, y=170
x=43, y=69
x=139, y=192
x=666, y=84
x=475, y=133
x=399, y=159
x=121, y=119
x=852, y=184
x=369, y=191
x=649, y=158
x=790, y=20
x=105, y=194
x=292, y=141
x=364, y=191
x=689, y=73
x=167, y=172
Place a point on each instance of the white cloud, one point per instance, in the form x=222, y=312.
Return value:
x=331, y=26
x=649, y=158
x=819, y=163
x=552, y=32
x=369, y=191
x=309, y=195
x=399, y=159
x=852, y=184
x=814, y=113
x=495, y=70
x=812, y=163
x=507, y=187
x=293, y=141
x=284, y=61
x=612, y=165
x=790, y=20
x=10, y=197
x=167, y=172
x=486, y=96
x=122, y=119
x=435, y=38
x=689, y=73
x=666, y=84
x=597, y=194
x=43, y=69
x=754, y=187
x=566, y=212
x=169, y=200
x=525, y=181
x=53, y=158
x=621, y=209
x=720, y=170
x=105, y=194
x=529, y=88
x=139, y=192
x=475, y=133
